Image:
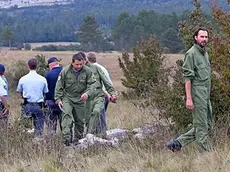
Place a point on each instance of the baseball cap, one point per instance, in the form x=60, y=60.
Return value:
x=51, y=60
x=2, y=68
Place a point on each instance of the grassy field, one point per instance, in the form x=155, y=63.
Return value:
x=19, y=154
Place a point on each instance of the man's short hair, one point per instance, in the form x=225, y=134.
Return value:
x=92, y=57
x=33, y=63
x=197, y=31
x=83, y=55
x=77, y=57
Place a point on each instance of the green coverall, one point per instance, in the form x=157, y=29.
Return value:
x=69, y=89
x=95, y=103
x=196, y=68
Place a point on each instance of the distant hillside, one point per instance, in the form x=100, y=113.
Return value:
x=115, y=6
x=53, y=21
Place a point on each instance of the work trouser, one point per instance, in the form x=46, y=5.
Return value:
x=72, y=120
x=202, y=120
x=94, y=109
x=34, y=111
x=53, y=115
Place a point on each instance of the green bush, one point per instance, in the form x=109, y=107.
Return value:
x=147, y=79
x=142, y=71
x=13, y=74
x=27, y=46
x=42, y=64
x=59, y=48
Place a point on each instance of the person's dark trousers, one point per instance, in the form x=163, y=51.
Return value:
x=34, y=110
x=53, y=116
x=106, y=103
x=102, y=126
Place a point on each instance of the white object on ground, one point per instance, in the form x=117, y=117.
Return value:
x=117, y=133
x=91, y=139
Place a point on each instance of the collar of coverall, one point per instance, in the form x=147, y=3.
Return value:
x=202, y=50
x=72, y=69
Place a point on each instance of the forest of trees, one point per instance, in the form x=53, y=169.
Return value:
x=121, y=29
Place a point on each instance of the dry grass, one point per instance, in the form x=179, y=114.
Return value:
x=21, y=155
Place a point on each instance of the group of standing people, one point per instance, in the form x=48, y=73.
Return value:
x=78, y=95
x=75, y=95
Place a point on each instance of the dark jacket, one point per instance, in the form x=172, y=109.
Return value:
x=51, y=78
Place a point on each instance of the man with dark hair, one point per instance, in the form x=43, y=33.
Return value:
x=83, y=55
x=74, y=86
x=197, y=75
x=54, y=112
x=104, y=93
x=32, y=63
x=32, y=87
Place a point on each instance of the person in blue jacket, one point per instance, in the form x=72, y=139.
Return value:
x=54, y=112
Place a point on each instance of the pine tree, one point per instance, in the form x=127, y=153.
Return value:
x=220, y=56
x=8, y=35
x=89, y=34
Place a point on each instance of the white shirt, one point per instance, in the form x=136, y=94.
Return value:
x=3, y=87
x=106, y=75
x=105, y=71
x=33, y=86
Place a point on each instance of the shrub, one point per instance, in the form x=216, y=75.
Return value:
x=13, y=74
x=142, y=71
x=42, y=64
x=147, y=78
x=27, y=46
x=59, y=48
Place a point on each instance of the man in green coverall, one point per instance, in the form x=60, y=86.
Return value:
x=74, y=86
x=197, y=75
x=95, y=103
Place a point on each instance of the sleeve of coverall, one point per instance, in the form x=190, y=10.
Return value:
x=90, y=83
x=105, y=81
x=59, y=88
x=188, y=67
x=109, y=79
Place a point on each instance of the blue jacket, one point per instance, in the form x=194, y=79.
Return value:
x=51, y=78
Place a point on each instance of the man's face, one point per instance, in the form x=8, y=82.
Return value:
x=202, y=38
x=77, y=65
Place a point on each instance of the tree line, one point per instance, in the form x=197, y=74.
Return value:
x=66, y=24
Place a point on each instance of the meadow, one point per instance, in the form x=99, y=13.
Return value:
x=19, y=154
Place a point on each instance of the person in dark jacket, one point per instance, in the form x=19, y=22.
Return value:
x=54, y=112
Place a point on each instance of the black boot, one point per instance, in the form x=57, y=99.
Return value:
x=174, y=145
x=67, y=142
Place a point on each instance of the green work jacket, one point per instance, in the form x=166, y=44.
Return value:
x=101, y=80
x=196, y=68
x=72, y=87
